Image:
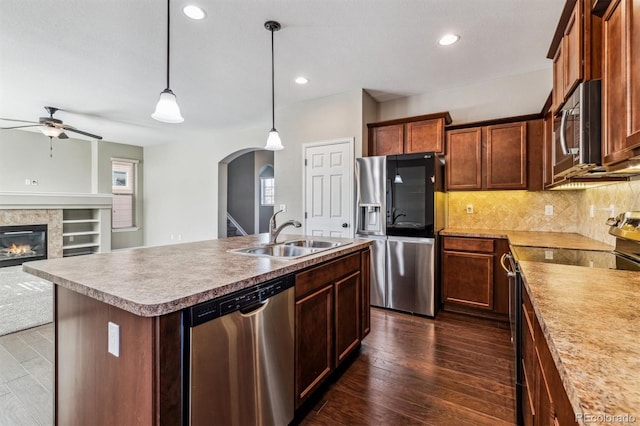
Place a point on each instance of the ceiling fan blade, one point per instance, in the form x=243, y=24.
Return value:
x=19, y=121
x=19, y=127
x=63, y=136
x=82, y=133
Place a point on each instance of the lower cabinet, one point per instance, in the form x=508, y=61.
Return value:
x=332, y=318
x=472, y=280
x=544, y=400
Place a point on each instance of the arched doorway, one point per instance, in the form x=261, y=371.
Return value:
x=245, y=192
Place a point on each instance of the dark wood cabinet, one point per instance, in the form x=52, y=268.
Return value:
x=464, y=159
x=506, y=161
x=365, y=269
x=472, y=280
x=493, y=156
x=314, y=343
x=620, y=86
x=409, y=135
x=387, y=140
x=330, y=309
x=544, y=399
x=575, y=49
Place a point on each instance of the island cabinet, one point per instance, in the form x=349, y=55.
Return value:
x=332, y=318
x=575, y=49
x=544, y=399
x=409, y=135
x=620, y=85
x=472, y=279
x=494, y=156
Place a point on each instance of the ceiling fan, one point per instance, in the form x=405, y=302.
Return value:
x=51, y=127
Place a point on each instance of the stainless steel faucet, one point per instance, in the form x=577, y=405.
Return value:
x=274, y=230
x=395, y=216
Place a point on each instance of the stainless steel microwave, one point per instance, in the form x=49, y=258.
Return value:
x=576, y=132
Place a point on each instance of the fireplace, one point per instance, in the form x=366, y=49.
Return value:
x=19, y=244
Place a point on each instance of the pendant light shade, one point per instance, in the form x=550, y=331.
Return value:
x=52, y=132
x=273, y=140
x=167, y=109
x=398, y=178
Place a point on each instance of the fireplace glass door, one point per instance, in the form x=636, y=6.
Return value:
x=19, y=244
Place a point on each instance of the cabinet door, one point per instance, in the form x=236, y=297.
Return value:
x=365, y=308
x=424, y=136
x=613, y=81
x=558, y=80
x=633, y=71
x=387, y=140
x=464, y=159
x=506, y=160
x=467, y=279
x=547, y=150
x=572, y=50
x=545, y=413
x=314, y=342
x=347, y=318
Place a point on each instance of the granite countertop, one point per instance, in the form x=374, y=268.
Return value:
x=152, y=281
x=590, y=320
x=534, y=239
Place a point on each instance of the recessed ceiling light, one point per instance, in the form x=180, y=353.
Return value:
x=302, y=80
x=194, y=12
x=448, y=39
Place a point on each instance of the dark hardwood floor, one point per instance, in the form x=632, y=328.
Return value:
x=454, y=370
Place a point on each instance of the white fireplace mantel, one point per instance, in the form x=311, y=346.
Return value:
x=54, y=200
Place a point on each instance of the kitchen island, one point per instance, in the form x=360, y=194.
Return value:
x=145, y=292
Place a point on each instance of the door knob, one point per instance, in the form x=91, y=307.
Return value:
x=345, y=225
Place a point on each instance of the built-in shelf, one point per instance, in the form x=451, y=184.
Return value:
x=81, y=231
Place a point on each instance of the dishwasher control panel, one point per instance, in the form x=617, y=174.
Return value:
x=238, y=300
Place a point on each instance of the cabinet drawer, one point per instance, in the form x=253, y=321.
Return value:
x=477, y=245
x=314, y=278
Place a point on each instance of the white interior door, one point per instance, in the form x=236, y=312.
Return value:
x=328, y=190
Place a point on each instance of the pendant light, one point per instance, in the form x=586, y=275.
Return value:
x=398, y=178
x=273, y=141
x=167, y=109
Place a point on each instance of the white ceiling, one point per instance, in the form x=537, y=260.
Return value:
x=102, y=62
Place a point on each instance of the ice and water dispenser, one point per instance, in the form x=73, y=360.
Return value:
x=370, y=219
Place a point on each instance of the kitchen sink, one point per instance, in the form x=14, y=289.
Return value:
x=290, y=249
x=314, y=243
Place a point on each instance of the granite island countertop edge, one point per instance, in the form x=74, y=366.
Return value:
x=256, y=270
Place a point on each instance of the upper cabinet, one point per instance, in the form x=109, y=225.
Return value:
x=575, y=49
x=495, y=156
x=423, y=133
x=620, y=83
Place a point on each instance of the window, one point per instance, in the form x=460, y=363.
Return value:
x=267, y=191
x=123, y=188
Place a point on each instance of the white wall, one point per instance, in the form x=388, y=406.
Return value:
x=507, y=97
x=25, y=155
x=181, y=178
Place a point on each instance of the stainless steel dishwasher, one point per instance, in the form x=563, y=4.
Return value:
x=239, y=357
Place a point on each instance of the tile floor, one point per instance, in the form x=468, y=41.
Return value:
x=26, y=377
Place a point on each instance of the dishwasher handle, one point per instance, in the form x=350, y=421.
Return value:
x=255, y=309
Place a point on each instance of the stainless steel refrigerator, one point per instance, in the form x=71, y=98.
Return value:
x=401, y=207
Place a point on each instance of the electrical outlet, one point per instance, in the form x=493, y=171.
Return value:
x=179, y=237
x=548, y=254
x=27, y=181
x=548, y=210
x=611, y=210
x=592, y=210
x=114, y=339
x=283, y=207
x=469, y=208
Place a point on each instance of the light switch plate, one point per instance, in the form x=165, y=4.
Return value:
x=114, y=339
x=548, y=210
x=469, y=208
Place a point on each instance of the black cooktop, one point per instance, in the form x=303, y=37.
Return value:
x=588, y=258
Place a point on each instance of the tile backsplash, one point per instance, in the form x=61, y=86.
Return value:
x=514, y=210
x=525, y=211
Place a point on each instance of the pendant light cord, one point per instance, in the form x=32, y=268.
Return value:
x=273, y=90
x=168, y=39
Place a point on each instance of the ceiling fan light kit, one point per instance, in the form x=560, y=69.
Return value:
x=273, y=140
x=167, y=109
